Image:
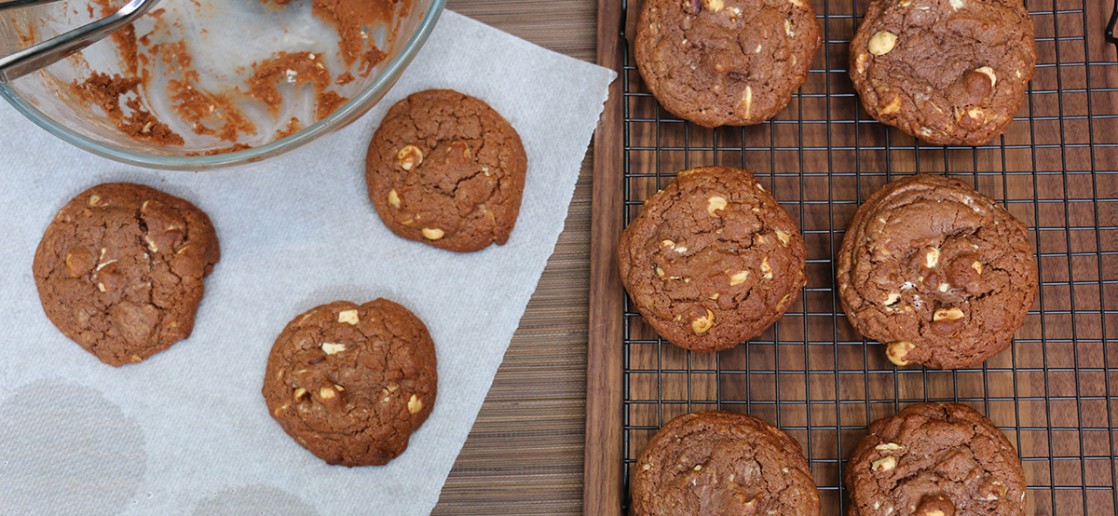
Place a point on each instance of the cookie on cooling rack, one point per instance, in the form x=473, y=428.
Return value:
x=949, y=72
x=712, y=259
x=935, y=459
x=722, y=463
x=447, y=170
x=725, y=62
x=350, y=383
x=119, y=270
x=938, y=272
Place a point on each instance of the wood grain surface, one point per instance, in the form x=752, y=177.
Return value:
x=524, y=455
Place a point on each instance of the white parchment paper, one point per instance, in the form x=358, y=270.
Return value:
x=187, y=431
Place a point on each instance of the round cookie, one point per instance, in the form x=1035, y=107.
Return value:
x=949, y=72
x=712, y=259
x=351, y=383
x=938, y=272
x=446, y=169
x=935, y=458
x=119, y=270
x=726, y=62
x=722, y=463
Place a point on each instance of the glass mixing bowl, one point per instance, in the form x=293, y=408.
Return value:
x=226, y=39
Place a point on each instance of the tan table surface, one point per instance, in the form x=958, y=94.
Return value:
x=524, y=454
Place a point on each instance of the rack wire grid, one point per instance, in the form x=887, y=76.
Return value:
x=1054, y=393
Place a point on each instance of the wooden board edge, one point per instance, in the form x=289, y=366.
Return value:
x=602, y=479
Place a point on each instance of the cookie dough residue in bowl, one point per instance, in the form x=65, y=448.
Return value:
x=161, y=94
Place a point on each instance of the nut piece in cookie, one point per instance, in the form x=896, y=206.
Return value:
x=947, y=72
x=935, y=459
x=712, y=260
x=725, y=62
x=939, y=273
x=447, y=170
x=120, y=270
x=350, y=383
x=722, y=463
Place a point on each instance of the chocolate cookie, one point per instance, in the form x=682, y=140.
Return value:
x=446, y=169
x=351, y=383
x=937, y=271
x=120, y=270
x=935, y=459
x=712, y=259
x=726, y=62
x=950, y=72
x=722, y=463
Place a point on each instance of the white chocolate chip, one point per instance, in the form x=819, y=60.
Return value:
x=948, y=314
x=932, y=258
x=348, y=317
x=891, y=299
x=415, y=404
x=714, y=204
x=860, y=63
x=788, y=28
x=746, y=103
x=766, y=269
x=433, y=233
x=888, y=447
x=881, y=43
x=702, y=324
x=989, y=72
x=885, y=464
x=893, y=106
x=897, y=351
x=646, y=467
x=738, y=278
x=944, y=287
x=327, y=393
x=393, y=198
x=409, y=157
x=956, y=4
x=101, y=287
x=758, y=49
x=660, y=273
x=783, y=237
x=299, y=394
x=332, y=348
x=94, y=200
x=977, y=266
x=698, y=467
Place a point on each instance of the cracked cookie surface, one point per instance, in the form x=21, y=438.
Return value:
x=949, y=72
x=120, y=270
x=935, y=459
x=446, y=169
x=939, y=273
x=726, y=62
x=351, y=383
x=712, y=259
x=722, y=463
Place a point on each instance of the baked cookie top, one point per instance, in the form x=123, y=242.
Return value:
x=931, y=457
x=951, y=72
x=938, y=272
x=446, y=169
x=350, y=383
x=722, y=463
x=712, y=259
x=726, y=62
x=119, y=270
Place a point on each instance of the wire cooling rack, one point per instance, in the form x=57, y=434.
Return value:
x=1054, y=394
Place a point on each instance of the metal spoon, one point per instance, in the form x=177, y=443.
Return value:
x=59, y=47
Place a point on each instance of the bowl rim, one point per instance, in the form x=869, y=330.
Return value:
x=350, y=111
